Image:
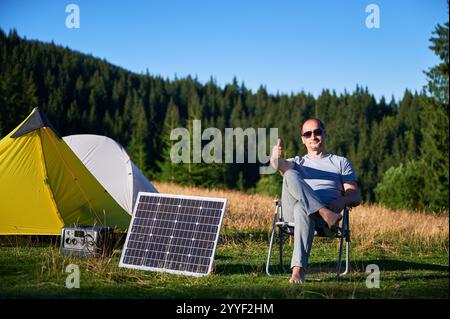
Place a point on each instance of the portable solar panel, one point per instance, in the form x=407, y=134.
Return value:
x=173, y=233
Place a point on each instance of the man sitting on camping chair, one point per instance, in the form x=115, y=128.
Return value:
x=316, y=188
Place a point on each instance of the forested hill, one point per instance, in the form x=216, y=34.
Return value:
x=84, y=94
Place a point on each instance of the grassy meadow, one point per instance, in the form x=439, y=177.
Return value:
x=410, y=249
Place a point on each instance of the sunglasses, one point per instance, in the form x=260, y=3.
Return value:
x=316, y=132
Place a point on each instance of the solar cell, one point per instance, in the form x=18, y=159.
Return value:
x=173, y=233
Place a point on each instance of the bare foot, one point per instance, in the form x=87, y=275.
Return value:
x=330, y=217
x=298, y=275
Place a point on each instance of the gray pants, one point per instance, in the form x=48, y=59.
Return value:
x=300, y=205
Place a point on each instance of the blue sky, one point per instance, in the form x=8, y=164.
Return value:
x=287, y=46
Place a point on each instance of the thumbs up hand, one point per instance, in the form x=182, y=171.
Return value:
x=277, y=160
x=277, y=151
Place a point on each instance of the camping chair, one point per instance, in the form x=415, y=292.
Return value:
x=288, y=228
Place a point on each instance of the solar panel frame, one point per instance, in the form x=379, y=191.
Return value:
x=122, y=262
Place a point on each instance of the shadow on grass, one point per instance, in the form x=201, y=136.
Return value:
x=397, y=278
x=235, y=269
x=238, y=236
x=29, y=240
x=392, y=265
x=330, y=267
x=213, y=292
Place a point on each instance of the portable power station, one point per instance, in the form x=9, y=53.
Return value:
x=87, y=241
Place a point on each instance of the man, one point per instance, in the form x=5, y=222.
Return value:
x=316, y=188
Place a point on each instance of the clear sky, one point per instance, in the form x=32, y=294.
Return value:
x=287, y=46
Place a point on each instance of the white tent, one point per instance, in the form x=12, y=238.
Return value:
x=108, y=161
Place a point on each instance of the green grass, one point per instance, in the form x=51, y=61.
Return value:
x=38, y=271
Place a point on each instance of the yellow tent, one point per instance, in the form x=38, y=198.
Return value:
x=44, y=186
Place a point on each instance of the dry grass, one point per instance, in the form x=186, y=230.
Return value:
x=370, y=224
x=373, y=223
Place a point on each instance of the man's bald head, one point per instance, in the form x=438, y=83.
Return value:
x=312, y=120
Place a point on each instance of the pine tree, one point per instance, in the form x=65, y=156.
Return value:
x=73, y=117
x=197, y=173
x=108, y=124
x=170, y=171
x=435, y=156
x=435, y=125
x=139, y=133
x=438, y=75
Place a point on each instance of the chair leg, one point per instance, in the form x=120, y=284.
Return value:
x=269, y=255
x=347, y=259
x=272, y=237
x=341, y=244
x=347, y=244
x=345, y=233
x=280, y=239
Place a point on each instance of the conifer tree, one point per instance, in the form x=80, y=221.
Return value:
x=435, y=125
x=139, y=133
x=438, y=75
x=169, y=171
